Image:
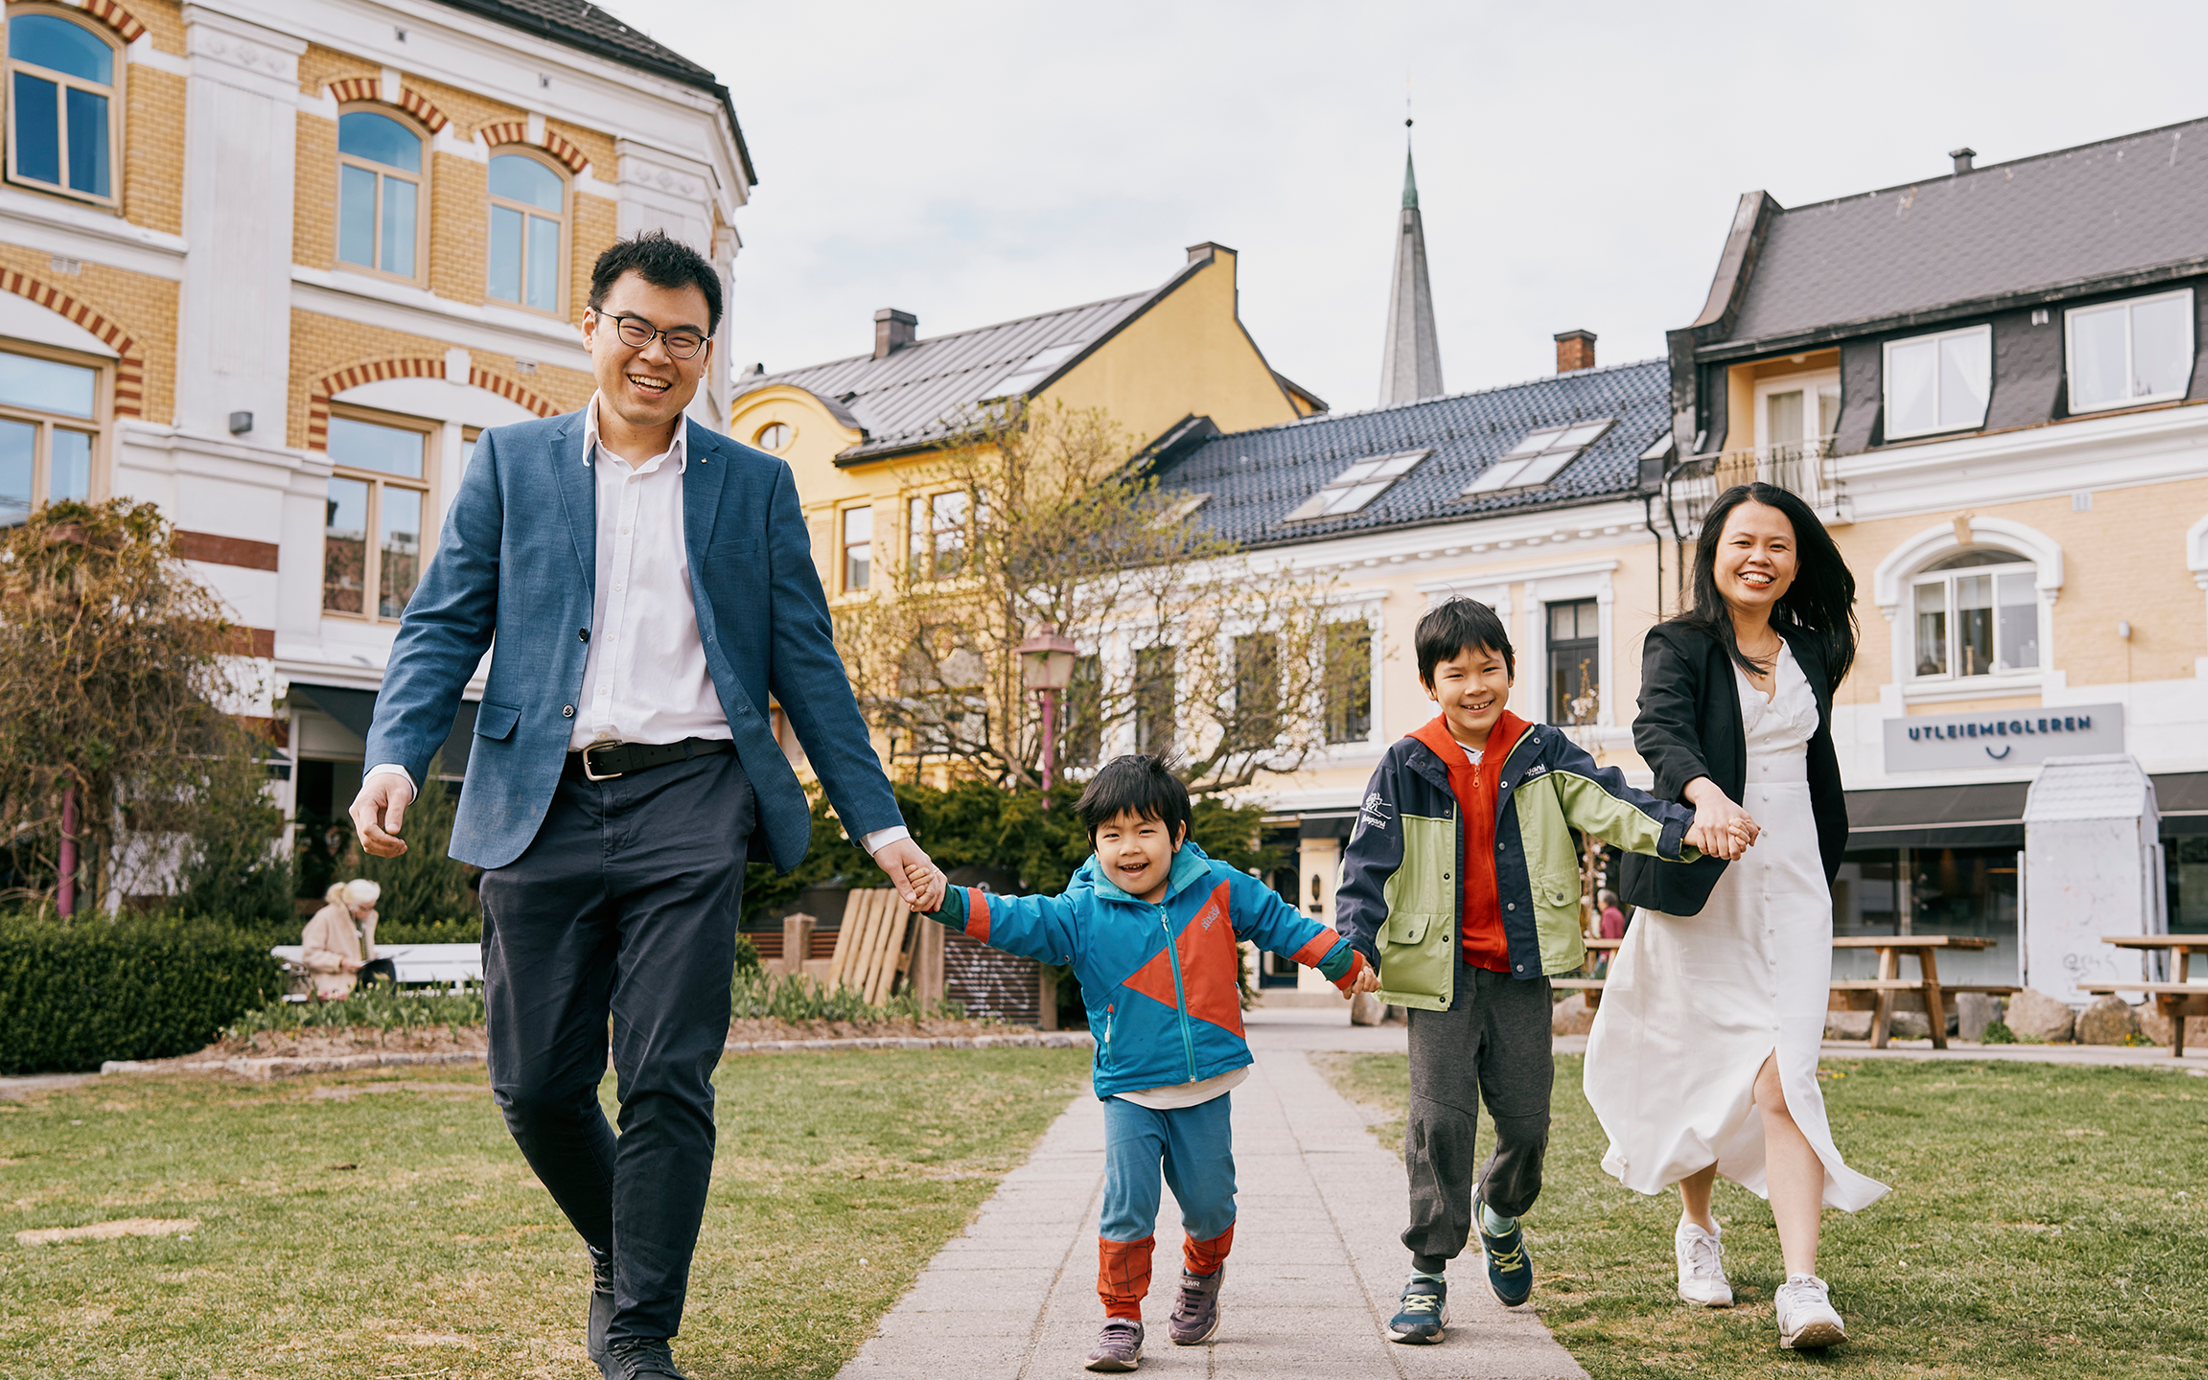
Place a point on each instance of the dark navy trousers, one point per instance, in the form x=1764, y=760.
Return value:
x=623, y=907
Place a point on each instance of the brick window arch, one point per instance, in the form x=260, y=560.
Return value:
x=404, y=367
x=130, y=366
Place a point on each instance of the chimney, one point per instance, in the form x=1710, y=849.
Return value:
x=1574, y=350
x=1962, y=158
x=893, y=331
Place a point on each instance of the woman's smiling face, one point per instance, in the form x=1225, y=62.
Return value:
x=1756, y=557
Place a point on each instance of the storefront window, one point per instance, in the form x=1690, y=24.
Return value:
x=2186, y=863
x=1958, y=891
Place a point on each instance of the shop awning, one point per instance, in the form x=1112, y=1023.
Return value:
x=1327, y=825
x=1984, y=815
x=356, y=710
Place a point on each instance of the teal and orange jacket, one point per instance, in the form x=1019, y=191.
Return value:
x=1162, y=981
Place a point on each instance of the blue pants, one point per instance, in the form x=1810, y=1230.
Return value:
x=1195, y=1148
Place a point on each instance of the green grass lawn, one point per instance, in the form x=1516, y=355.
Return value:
x=381, y=1224
x=2046, y=1221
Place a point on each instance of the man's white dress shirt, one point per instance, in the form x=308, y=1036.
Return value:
x=645, y=678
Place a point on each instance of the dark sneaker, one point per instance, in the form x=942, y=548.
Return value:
x=1118, y=1347
x=639, y=1358
x=1422, y=1317
x=1509, y=1268
x=1196, y=1311
x=601, y=1305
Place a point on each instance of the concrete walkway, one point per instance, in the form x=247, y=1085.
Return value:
x=1314, y=1275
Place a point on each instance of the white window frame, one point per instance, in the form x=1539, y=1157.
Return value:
x=1886, y=378
x=525, y=210
x=430, y=431
x=1945, y=579
x=2128, y=304
x=1366, y=617
x=1519, y=468
x=1894, y=580
x=844, y=544
x=1809, y=386
x=114, y=94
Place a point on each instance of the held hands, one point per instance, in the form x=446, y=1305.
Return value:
x=1721, y=828
x=1367, y=980
x=918, y=881
x=379, y=811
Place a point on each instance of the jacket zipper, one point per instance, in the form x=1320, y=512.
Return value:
x=1109, y=1009
x=1180, y=993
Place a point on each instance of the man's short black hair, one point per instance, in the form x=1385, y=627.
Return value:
x=662, y=262
x=1136, y=784
x=1460, y=625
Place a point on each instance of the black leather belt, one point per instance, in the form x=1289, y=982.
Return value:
x=605, y=761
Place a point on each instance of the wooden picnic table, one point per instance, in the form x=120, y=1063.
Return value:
x=1876, y=993
x=2175, y=1000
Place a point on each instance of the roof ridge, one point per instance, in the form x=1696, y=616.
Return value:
x=976, y=330
x=1450, y=397
x=1991, y=167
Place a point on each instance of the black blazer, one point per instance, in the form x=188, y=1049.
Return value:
x=1690, y=725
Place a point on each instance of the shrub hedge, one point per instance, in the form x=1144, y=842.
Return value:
x=76, y=992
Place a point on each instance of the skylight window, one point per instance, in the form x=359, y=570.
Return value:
x=1039, y=367
x=1356, y=486
x=1538, y=458
x=1178, y=511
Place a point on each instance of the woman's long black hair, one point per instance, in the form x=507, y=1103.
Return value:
x=1820, y=602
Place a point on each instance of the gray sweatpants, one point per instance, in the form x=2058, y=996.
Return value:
x=1493, y=1041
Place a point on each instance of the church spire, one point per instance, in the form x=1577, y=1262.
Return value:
x=1410, y=368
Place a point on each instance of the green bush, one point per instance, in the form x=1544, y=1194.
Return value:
x=461, y=929
x=1998, y=1033
x=747, y=954
x=76, y=992
x=758, y=995
x=379, y=1006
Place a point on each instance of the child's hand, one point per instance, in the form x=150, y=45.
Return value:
x=927, y=883
x=1367, y=980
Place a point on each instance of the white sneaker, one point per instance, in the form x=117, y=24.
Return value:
x=1701, y=1266
x=1806, y=1319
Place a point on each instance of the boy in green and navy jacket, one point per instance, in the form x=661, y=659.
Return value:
x=1150, y=925
x=1461, y=884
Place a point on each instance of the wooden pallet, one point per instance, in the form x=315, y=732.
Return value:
x=875, y=946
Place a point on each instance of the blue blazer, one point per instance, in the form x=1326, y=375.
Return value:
x=518, y=558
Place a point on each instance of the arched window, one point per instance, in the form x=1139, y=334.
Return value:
x=63, y=131
x=527, y=257
x=1975, y=613
x=379, y=193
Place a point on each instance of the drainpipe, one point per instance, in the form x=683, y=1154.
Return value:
x=66, y=901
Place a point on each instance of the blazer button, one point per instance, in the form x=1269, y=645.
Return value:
x=567, y=711
x=582, y=634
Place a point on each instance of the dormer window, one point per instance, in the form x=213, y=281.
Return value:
x=2126, y=353
x=1539, y=457
x=1938, y=382
x=1356, y=486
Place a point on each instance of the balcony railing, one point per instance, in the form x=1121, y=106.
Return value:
x=1802, y=468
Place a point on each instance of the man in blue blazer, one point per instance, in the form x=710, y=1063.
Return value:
x=649, y=584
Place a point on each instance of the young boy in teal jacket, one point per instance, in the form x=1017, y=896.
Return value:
x=1150, y=925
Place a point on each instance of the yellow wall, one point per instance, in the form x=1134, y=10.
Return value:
x=1740, y=392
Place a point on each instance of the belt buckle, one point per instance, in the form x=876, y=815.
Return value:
x=589, y=772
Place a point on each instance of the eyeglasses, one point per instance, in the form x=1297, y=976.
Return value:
x=637, y=333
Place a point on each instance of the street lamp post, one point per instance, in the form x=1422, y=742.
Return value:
x=1046, y=666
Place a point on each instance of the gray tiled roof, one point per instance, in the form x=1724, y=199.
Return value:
x=1255, y=477
x=2094, y=212
x=580, y=24
x=919, y=393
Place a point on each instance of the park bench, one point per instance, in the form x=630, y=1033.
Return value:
x=448, y=965
x=1876, y=994
x=2175, y=1000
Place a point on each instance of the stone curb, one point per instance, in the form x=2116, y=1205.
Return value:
x=281, y=1066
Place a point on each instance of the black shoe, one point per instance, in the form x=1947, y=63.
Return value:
x=1422, y=1318
x=1509, y=1268
x=639, y=1358
x=601, y=1305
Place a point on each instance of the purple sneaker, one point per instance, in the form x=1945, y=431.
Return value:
x=1118, y=1347
x=1196, y=1311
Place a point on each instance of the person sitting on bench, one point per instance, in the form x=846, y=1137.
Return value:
x=340, y=941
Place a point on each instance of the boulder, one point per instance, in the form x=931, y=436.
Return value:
x=2035, y=1016
x=2156, y=1027
x=1571, y=1016
x=2108, y=1021
x=1367, y=1009
x=1847, y=1025
x=1909, y=1025
x=1974, y=1011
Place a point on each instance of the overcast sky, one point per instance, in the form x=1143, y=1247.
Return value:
x=1577, y=164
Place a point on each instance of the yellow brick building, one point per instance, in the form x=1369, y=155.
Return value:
x=273, y=267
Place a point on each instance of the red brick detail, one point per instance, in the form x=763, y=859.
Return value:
x=352, y=376
x=130, y=370
x=411, y=101
x=238, y=551
x=517, y=132
x=511, y=391
x=122, y=21
x=260, y=642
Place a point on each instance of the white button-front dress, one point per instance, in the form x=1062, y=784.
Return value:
x=1695, y=1003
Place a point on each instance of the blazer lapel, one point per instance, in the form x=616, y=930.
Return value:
x=702, y=478
x=578, y=488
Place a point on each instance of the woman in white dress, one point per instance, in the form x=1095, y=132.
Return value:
x=1703, y=1056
